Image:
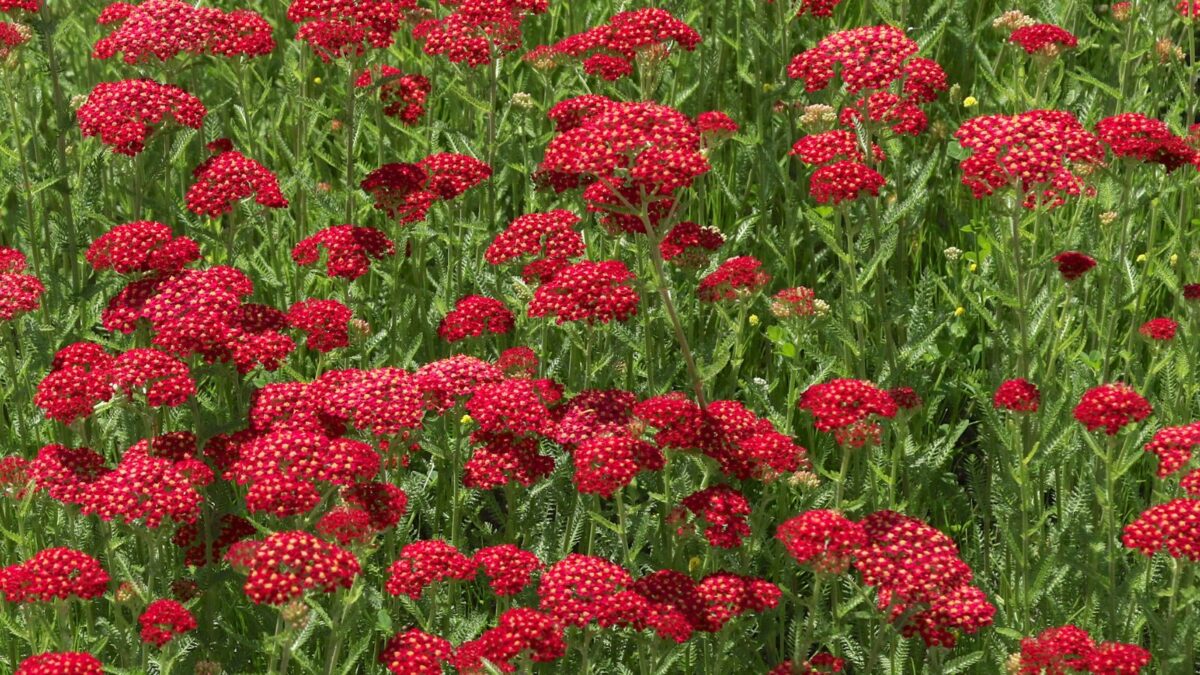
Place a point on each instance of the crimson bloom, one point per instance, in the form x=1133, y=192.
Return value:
x=228, y=177
x=611, y=50
x=60, y=663
x=121, y=113
x=415, y=652
x=403, y=95
x=1111, y=407
x=142, y=246
x=1073, y=264
x=19, y=293
x=734, y=279
x=1161, y=329
x=58, y=573
x=163, y=29
x=337, y=28
x=587, y=291
x=288, y=564
x=825, y=539
x=477, y=31
x=422, y=563
x=327, y=323
x=1043, y=38
x=349, y=249
x=474, y=315
x=164, y=620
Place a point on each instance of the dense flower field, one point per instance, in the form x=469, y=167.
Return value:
x=487, y=336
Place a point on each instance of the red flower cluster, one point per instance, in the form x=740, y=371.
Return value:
x=1135, y=136
x=14, y=5
x=817, y=664
x=1044, y=39
x=793, y=303
x=142, y=246
x=1173, y=527
x=477, y=31
x=1073, y=264
x=920, y=579
x=826, y=539
x=1191, y=291
x=743, y=444
x=202, y=311
x=403, y=95
x=406, y=191
x=1161, y=329
x=842, y=403
x=12, y=35
x=821, y=9
x=605, y=464
x=509, y=569
x=163, y=29
x=415, y=652
x=349, y=249
x=84, y=375
x=327, y=323
x=550, y=237
x=735, y=279
x=643, y=36
x=60, y=663
x=422, y=563
x=1017, y=395
x=19, y=292
x=228, y=177
x=1173, y=446
x=1111, y=407
x=521, y=632
x=336, y=28
x=587, y=291
x=121, y=113
x=1035, y=152
x=632, y=157
x=155, y=479
x=163, y=620
x=869, y=57
x=54, y=574
x=286, y=565
x=1057, y=651
x=724, y=511
x=689, y=245
x=474, y=315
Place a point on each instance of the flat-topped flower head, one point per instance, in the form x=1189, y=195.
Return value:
x=51, y=574
x=587, y=291
x=1017, y=395
x=1073, y=264
x=1043, y=154
x=474, y=315
x=477, y=31
x=60, y=663
x=870, y=57
x=403, y=95
x=1111, y=407
x=162, y=29
x=641, y=38
x=228, y=177
x=1136, y=136
x=1161, y=329
x=164, y=620
x=1043, y=39
x=735, y=279
x=349, y=249
x=142, y=246
x=286, y=565
x=121, y=113
x=337, y=28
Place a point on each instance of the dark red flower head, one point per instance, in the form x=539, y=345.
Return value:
x=1073, y=264
x=121, y=113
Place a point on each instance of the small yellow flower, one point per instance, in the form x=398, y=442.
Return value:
x=466, y=419
x=959, y=311
x=316, y=80
x=970, y=102
x=1174, y=259
x=753, y=319
x=694, y=563
x=973, y=267
x=1141, y=257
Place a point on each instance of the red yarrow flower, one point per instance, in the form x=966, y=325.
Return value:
x=288, y=564
x=1111, y=407
x=825, y=539
x=724, y=511
x=142, y=246
x=415, y=652
x=1172, y=528
x=587, y=291
x=1038, y=152
x=735, y=279
x=1073, y=264
x=163, y=29
x=509, y=569
x=610, y=51
x=550, y=237
x=844, y=181
x=350, y=249
x=474, y=315
x=403, y=95
x=327, y=323
x=121, y=113
x=477, y=31
x=406, y=191
x=1044, y=39
x=1017, y=395
x=1161, y=329
x=228, y=177
x=422, y=563
x=842, y=402
x=60, y=663
x=54, y=574
x=870, y=57
x=163, y=620
x=1136, y=136
x=337, y=28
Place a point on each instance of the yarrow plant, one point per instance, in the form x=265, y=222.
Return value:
x=536, y=336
